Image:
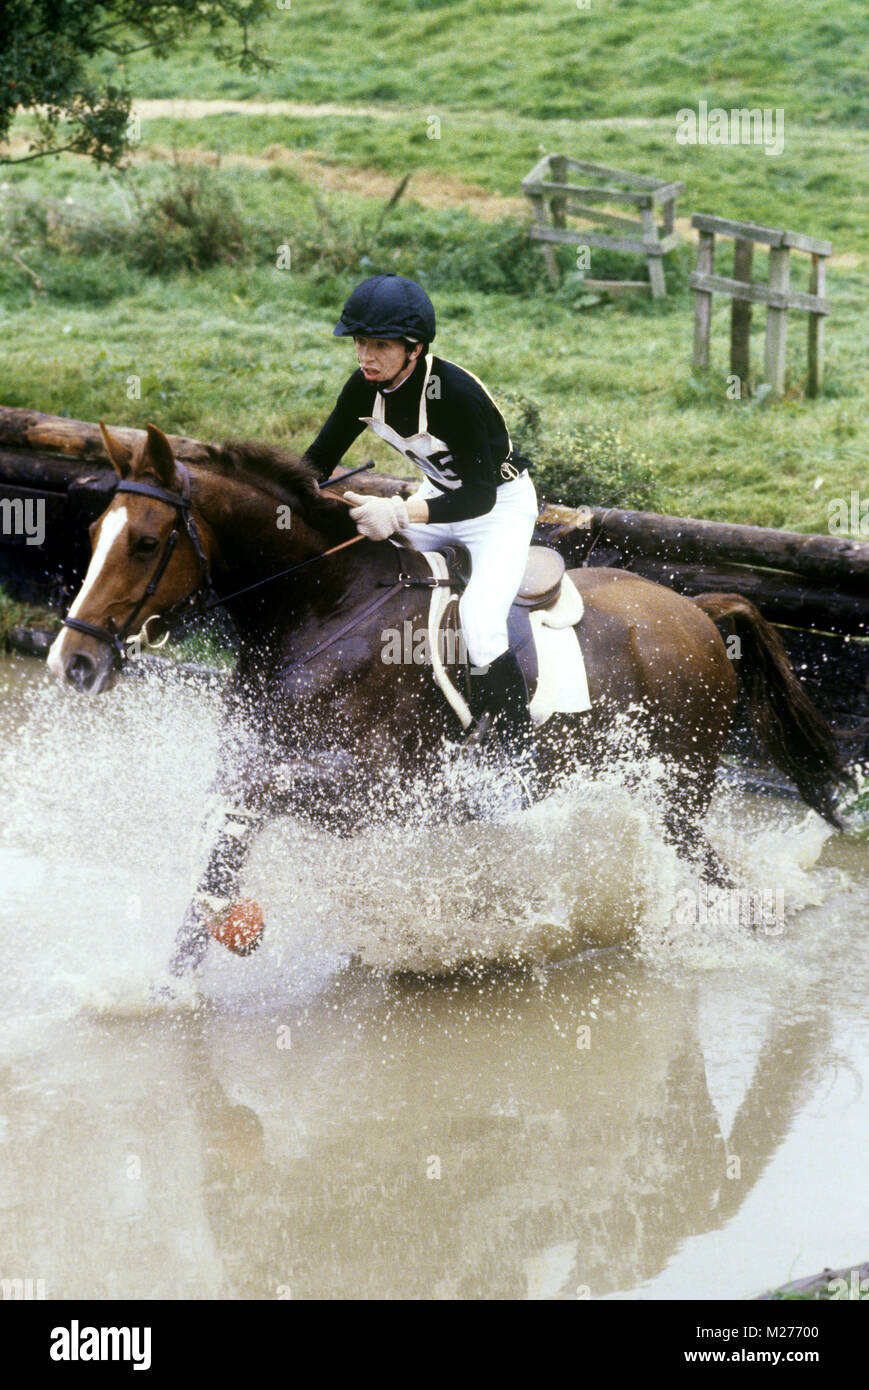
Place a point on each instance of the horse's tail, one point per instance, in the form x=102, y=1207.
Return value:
x=797, y=737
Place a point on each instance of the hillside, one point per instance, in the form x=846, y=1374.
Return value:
x=308, y=154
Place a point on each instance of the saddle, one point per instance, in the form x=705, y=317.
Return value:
x=539, y=629
x=541, y=582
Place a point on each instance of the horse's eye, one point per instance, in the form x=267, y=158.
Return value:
x=146, y=545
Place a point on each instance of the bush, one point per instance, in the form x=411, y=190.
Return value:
x=188, y=223
x=191, y=225
x=586, y=465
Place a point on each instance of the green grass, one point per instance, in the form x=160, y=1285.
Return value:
x=546, y=58
x=244, y=349
x=15, y=613
x=248, y=351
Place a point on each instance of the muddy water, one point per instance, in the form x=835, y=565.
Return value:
x=648, y=1106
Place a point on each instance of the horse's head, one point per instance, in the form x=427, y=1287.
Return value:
x=146, y=559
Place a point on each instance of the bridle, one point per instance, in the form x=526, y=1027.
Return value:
x=184, y=524
x=195, y=601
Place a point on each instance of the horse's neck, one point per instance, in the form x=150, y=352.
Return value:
x=248, y=544
x=250, y=533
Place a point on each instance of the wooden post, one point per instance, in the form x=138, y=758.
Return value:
x=654, y=262
x=558, y=201
x=558, y=212
x=777, y=320
x=817, y=285
x=542, y=220
x=740, y=317
x=703, y=300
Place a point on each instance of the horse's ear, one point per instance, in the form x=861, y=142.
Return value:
x=158, y=451
x=120, y=455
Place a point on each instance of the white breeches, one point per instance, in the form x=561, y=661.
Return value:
x=498, y=543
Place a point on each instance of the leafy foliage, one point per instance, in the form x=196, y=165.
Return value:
x=585, y=464
x=49, y=63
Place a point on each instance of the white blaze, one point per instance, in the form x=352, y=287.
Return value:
x=110, y=529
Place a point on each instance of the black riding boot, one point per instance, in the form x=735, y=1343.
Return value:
x=499, y=704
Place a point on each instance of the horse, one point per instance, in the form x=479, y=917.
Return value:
x=311, y=600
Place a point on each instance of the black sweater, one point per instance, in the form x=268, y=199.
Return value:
x=460, y=412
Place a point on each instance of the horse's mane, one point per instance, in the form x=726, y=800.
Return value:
x=284, y=476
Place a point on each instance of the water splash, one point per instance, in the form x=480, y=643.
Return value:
x=102, y=844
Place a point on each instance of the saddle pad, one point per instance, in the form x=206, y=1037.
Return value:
x=562, y=684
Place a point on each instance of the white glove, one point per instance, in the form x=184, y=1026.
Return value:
x=378, y=517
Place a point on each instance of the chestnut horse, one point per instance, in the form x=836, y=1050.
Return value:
x=312, y=693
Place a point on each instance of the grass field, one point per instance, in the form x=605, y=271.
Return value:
x=242, y=348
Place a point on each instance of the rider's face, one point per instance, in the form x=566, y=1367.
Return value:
x=383, y=359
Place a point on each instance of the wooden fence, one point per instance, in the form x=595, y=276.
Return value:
x=743, y=292
x=547, y=188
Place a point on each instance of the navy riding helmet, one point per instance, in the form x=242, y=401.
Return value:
x=388, y=306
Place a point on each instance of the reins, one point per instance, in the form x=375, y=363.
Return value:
x=322, y=555
x=324, y=492
x=116, y=638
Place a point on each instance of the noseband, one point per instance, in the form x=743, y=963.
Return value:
x=183, y=524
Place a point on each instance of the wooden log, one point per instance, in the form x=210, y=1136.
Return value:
x=50, y=475
x=781, y=598
x=31, y=429
x=751, y=231
x=39, y=470
x=703, y=299
x=631, y=224
x=667, y=193
x=777, y=319
x=541, y=214
x=817, y=285
x=839, y=561
x=770, y=236
x=586, y=238
x=603, y=171
x=812, y=245
x=740, y=317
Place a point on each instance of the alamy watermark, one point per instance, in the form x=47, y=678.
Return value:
x=741, y=125
x=23, y=516
x=21, y=1290
x=737, y=907
x=848, y=516
x=852, y=1288
x=410, y=646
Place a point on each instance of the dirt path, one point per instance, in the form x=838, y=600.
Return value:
x=429, y=189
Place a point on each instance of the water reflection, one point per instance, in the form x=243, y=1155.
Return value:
x=458, y=1141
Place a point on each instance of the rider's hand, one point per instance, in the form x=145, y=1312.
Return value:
x=378, y=517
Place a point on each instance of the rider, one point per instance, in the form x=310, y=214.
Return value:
x=476, y=491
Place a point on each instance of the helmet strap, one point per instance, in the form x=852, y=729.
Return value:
x=390, y=385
